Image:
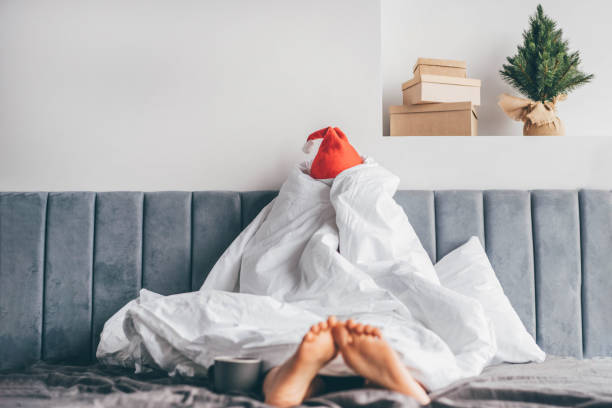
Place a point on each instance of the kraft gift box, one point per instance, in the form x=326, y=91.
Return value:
x=439, y=88
x=435, y=66
x=439, y=119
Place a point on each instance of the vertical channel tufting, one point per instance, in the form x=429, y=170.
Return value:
x=142, y=242
x=93, y=275
x=117, y=255
x=556, y=236
x=191, y=226
x=419, y=207
x=596, y=244
x=535, y=266
x=216, y=222
x=510, y=248
x=22, y=235
x=44, y=282
x=68, y=275
x=459, y=216
x=166, y=264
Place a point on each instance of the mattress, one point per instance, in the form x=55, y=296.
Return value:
x=558, y=382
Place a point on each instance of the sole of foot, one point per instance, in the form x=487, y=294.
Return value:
x=369, y=355
x=290, y=383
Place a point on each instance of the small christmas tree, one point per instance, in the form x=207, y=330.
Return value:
x=544, y=68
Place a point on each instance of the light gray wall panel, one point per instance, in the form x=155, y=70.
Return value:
x=556, y=235
x=117, y=255
x=22, y=241
x=216, y=223
x=510, y=248
x=596, y=240
x=459, y=216
x=252, y=202
x=166, y=267
x=68, y=277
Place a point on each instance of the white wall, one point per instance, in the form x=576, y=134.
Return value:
x=483, y=33
x=196, y=95
x=187, y=94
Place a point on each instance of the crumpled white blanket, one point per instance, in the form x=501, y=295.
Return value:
x=339, y=247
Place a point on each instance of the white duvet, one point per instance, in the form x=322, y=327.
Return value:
x=338, y=247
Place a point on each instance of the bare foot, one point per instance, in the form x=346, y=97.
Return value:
x=369, y=355
x=289, y=384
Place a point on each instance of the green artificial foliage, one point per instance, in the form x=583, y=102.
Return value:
x=543, y=67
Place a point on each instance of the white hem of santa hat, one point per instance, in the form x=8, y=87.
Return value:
x=309, y=146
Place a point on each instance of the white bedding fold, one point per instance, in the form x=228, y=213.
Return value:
x=322, y=247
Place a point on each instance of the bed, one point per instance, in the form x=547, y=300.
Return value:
x=69, y=260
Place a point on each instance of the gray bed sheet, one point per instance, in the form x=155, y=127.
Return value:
x=558, y=382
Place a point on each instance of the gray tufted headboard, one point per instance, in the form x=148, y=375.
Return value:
x=68, y=261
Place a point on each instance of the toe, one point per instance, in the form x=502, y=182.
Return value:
x=309, y=336
x=367, y=329
x=359, y=328
x=314, y=329
x=332, y=321
x=322, y=326
x=377, y=332
x=341, y=336
x=350, y=323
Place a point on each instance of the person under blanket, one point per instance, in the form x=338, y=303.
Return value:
x=332, y=242
x=362, y=348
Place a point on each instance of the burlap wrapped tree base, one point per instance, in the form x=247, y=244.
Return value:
x=555, y=128
x=540, y=118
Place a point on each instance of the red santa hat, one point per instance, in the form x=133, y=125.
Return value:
x=335, y=153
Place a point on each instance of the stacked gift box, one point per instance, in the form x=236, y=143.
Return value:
x=439, y=101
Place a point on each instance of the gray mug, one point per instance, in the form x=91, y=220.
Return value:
x=236, y=374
